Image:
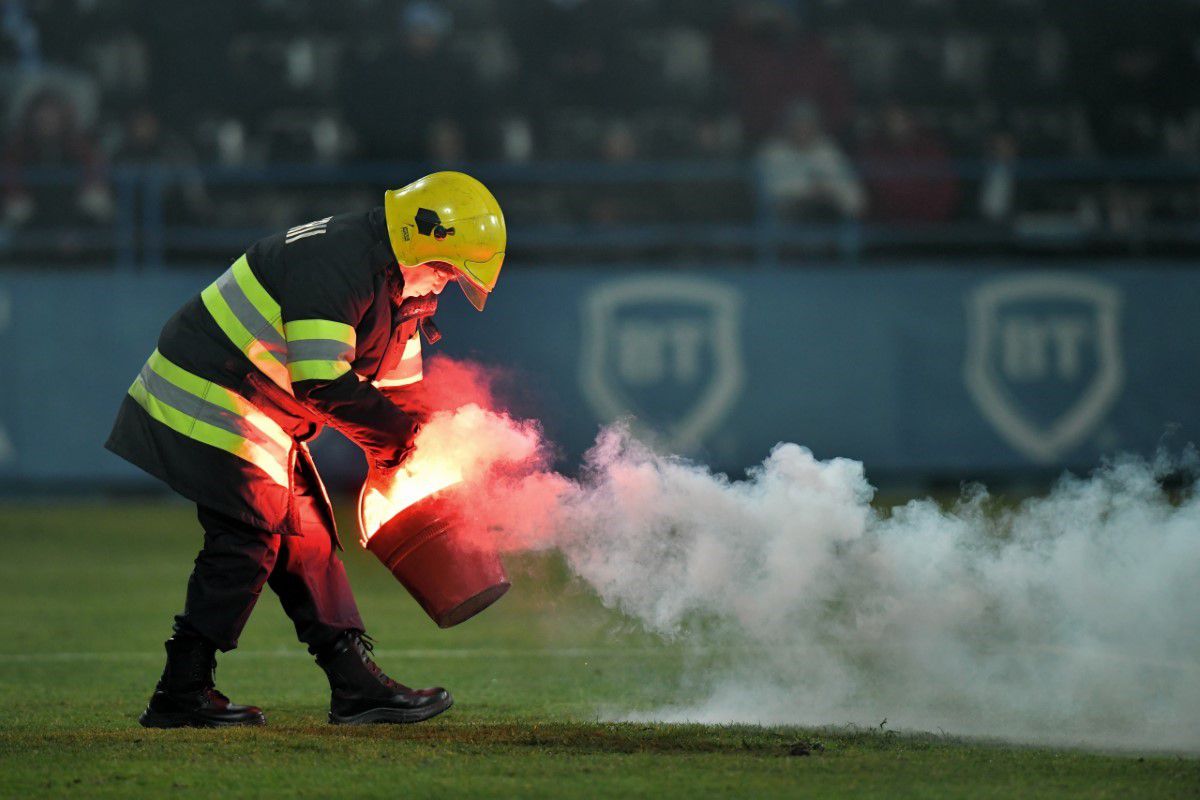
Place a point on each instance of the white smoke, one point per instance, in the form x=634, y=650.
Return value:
x=1071, y=618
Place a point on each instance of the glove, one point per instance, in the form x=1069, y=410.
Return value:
x=381, y=471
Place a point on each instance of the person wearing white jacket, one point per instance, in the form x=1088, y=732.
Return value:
x=806, y=173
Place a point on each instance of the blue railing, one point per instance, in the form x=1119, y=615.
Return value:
x=140, y=236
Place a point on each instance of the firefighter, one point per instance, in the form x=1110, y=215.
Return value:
x=318, y=325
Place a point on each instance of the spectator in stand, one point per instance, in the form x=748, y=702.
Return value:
x=618, y=204
x=998, y=188
x=1136, y=71
x=910, y=177
x=772, y=62
x=48, y=136
x=806, y=174
x=144, y=142
x=581, y=53
x=445, y=142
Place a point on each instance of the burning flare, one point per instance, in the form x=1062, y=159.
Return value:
x=466, y=446
x=430, y=470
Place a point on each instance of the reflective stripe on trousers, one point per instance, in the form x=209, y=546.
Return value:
x=213, y=415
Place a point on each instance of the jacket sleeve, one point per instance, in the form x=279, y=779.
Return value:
x=323, y=301
x=414, y=401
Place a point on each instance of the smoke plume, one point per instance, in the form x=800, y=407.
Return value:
x=1070, y=618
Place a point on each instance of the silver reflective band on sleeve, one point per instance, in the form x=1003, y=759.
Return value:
x=319, y=350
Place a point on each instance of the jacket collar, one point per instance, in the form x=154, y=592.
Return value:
x=378, y=224
x=383, y=260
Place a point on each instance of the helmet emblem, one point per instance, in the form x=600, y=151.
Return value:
x=430, y=224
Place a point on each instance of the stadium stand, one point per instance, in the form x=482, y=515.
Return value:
x=616, y=130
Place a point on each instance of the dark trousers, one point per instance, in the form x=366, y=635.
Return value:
x=303, y=570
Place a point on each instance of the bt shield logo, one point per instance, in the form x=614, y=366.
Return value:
x=1043, y=359
x=664, y=349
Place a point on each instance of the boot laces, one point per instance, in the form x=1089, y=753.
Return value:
x=205, y=679
x=210, y=687
x=365, y=646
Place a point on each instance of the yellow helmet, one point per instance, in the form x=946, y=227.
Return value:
x=452, y=218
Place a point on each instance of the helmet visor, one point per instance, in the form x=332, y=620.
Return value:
x=478, y=278
x=477, y=296
x=484, y=273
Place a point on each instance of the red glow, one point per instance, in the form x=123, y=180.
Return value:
x=432, y=470
x=450, y=384
x=509, y=495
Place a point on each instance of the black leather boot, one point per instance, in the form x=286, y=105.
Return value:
x=186, y=696
x=362, y=693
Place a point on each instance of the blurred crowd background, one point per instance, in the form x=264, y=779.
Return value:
x=670, y=131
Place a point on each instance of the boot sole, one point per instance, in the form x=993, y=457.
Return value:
x=393, y=716
x=153, y=719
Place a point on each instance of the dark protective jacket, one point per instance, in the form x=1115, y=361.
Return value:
x=306, y=329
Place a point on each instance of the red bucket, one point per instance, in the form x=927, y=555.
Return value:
x=425, y=547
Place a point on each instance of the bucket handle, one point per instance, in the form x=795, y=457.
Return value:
x=362, y=522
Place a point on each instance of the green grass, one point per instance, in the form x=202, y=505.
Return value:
x=86, y=598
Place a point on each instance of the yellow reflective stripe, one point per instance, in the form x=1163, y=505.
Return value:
x=319, y=329
x=409, y=370
x=208, y=434
x=319, y=337
x=405, y=369
x=219, y=396
x=225, y=317
x=211, y=393
x=258, y=351
x=391, y=383
x=269, y=365
x=256, y=294
x=193, y=384
x=317, y=370
x=268, y=426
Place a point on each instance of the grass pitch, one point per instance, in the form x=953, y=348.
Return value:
x=86, y=598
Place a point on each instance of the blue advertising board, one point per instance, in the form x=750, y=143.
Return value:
x=912, y=369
